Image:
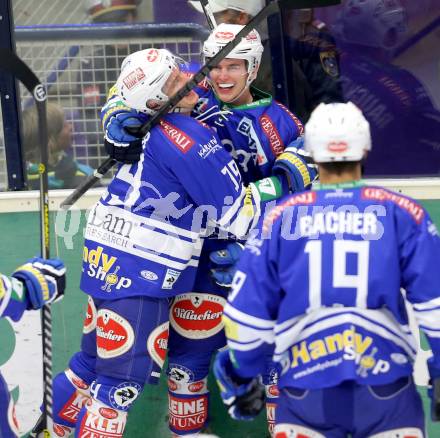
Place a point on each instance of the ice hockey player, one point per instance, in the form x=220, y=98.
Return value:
x=320, y=288
x=255, y=130
x=36, y=283
x=142, y=246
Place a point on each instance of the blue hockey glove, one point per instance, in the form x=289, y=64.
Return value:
x=297, y=165
x=244, y=398
x=119, y=144
x=44, y=280
x=223, y=262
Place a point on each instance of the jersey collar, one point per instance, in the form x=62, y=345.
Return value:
x=344, y=185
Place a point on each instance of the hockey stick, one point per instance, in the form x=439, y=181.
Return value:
x=208, y=13
x=269, y=9
x=11, y=63
x=173, y=101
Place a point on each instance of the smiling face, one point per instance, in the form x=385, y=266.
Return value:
x=228, y=80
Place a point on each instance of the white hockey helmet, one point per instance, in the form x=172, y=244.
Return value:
x=373, y=23
x=249, y=48
x=110, y=10
x=337, y=132
x=143, y=76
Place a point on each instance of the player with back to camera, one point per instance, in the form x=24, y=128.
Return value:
x=320, y=287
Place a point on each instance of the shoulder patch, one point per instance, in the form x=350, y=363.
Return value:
x=304, y=198
x=415, y=210
x=179, y=138
x=272, y=134
x=295, y=119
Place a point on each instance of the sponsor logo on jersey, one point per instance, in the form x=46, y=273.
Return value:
x=347, y=345
x=298, y=123
x=99, y=265
x=276, y=212
x=197, y=316
x=209, y=148
x=275, y=142
x=133, y=78
x=149, y=275
x=111, y=228
x=183, y=141
x=170, y=279
x=254, y=151
x=91, y=315
x=114, y=334
x=189, y=413
x=122, y=396
x=157, y=343
x=414, y=209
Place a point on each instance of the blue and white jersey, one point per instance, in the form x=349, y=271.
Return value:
x=321, y=284
x=144, y=236
x=254, y=134
x=13, y=300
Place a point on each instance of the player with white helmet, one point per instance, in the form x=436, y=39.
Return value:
x=255, y=130
x=143, y=241
x=319, y=288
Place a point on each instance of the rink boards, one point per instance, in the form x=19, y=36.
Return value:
x=19, y=222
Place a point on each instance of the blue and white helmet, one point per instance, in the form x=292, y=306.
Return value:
x=337, y=132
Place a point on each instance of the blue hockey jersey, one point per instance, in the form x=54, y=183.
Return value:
x=254, y=134
x=145, y=235
x=322, y=282
x=13, y=301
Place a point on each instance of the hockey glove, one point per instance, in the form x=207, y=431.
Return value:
x=44, y=280
x=244, y=398
x=434, y=389
x=224, y=262
x=297, y=165
x=119, y=144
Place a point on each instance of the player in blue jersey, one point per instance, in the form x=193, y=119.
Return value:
x=142, y=246
x=32, y=285
x=255, y=130
x=319, y=286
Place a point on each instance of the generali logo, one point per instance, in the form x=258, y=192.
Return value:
x=197, y=316
x=276, y=144
x=176, y=136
